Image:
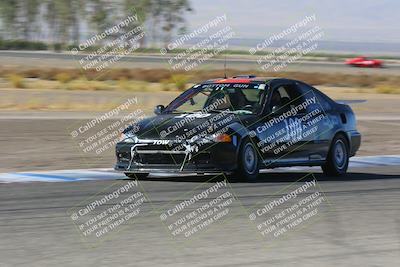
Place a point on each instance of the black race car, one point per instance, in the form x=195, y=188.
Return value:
x=240, y=125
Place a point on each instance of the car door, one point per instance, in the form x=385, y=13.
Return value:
x=282, y=131
x=322, y=120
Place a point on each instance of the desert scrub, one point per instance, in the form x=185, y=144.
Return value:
x=130, y=85
x=180, y=81
x=85, y=85
x=16, y=81
x=63, y=77
x=33, y=104
x=166, y=85
x=387, y=89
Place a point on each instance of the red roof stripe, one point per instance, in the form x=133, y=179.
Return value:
x=234, y=81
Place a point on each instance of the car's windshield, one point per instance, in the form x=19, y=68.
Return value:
x=238, y=98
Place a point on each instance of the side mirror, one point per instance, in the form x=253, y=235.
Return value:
x=159, y=109
x=276, y=110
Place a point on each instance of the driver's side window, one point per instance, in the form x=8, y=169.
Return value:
x=286, y=97
x=280, y=99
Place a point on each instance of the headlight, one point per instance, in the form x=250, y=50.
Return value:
x=122, y=137
x=222, y=138
x=216, y=138
x=128, y=138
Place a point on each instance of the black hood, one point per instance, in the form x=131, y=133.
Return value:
x=169, y=126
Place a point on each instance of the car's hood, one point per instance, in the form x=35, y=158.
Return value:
x=172, y=126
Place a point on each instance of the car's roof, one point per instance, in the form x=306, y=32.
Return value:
x=244, y=79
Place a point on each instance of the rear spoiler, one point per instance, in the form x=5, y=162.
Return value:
x=349, y=102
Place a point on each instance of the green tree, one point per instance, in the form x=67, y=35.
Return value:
x=141, y=9
x=9, y=18
x=156, y=8
x=77, y=18
x=64, y=18
x=29, y=13
x=173, y=15
x=98, y=15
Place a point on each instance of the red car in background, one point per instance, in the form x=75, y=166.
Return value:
x=364, y=62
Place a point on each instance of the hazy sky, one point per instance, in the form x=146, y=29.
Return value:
x=346, y=20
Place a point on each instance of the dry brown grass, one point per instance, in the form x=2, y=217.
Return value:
x=387, y=89
x=85, y=85
x=114, y=79
x=16, y=81
x=63, y=77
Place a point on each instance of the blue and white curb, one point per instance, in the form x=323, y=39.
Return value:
x=109, y=174
x=61, y=176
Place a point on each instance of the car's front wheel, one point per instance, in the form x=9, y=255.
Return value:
x=338, y=157
x=248, y=164
x=136, y=175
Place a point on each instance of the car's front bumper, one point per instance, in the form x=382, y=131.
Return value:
x=145, y=158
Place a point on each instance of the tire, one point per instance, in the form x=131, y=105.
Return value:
x=248, y=163
x=337, y=161
x=136, y=175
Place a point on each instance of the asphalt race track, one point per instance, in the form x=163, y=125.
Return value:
x=75, y=175
x=360, y=228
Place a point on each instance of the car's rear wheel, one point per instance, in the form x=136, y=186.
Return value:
x=136, y=175
x=248, y=163
x=338, y=157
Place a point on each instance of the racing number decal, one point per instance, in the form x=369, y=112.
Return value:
x=294, y=129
